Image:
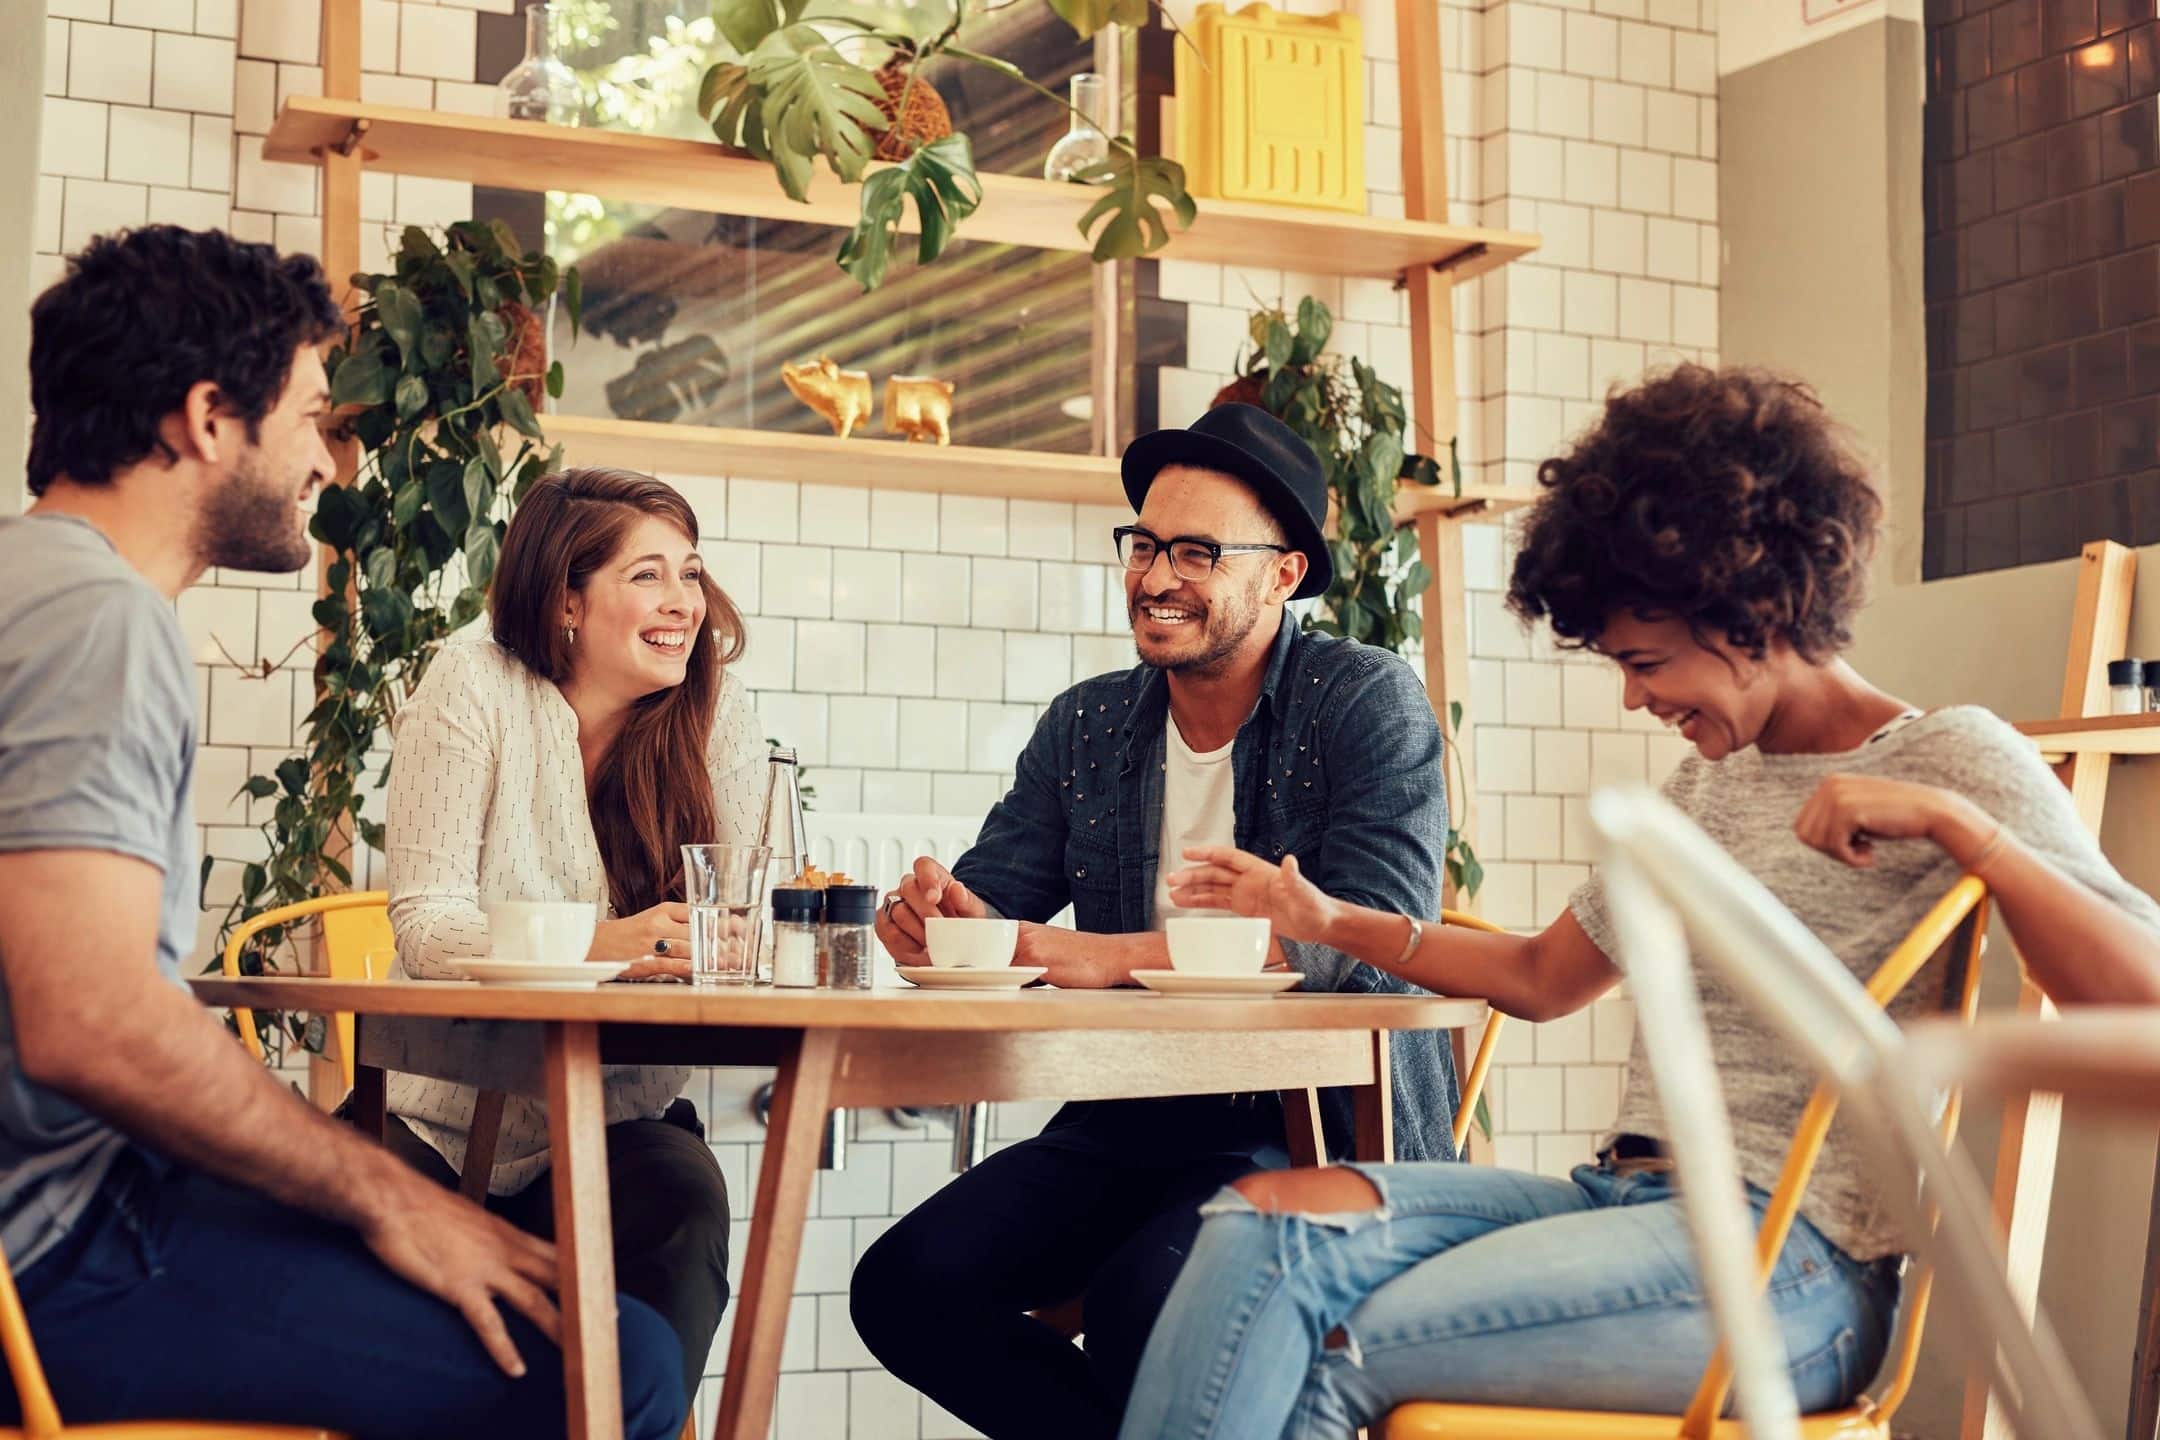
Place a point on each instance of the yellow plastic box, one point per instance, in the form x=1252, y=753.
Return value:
x=1273, y=108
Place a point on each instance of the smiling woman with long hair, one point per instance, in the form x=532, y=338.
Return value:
x=567, y=754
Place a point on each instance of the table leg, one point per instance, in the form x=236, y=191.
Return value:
x=1301, y=1127
x=1374, y=1107
x=794, y=1128
x=584, y=1247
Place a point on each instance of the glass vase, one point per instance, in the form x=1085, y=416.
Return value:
x=541, y=87
x=1085, y=144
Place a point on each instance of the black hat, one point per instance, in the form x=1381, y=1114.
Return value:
x=1246, y=441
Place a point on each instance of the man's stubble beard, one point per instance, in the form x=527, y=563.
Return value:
x=246, y=522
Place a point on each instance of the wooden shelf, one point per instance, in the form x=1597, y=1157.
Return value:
x=2120, y=735
x=701, y=175
x=871, y=462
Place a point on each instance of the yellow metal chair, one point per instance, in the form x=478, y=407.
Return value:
x=41, y=1416
x=356, y=926
x=1868, y=1418
x=1473, y=1084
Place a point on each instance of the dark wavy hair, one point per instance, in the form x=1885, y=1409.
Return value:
x=653, y=794
x=1728, y=499
x=142, y=317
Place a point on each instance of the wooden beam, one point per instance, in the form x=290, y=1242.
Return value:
x=2032, y=1124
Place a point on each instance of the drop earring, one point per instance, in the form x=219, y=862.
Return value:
x=569, y=634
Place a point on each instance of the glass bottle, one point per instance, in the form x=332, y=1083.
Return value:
x=782, y=831
x=541, y=87
x=1084, y=144
x=851, y=945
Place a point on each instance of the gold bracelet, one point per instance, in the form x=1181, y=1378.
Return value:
x=1987, y=851
x=1417, y=935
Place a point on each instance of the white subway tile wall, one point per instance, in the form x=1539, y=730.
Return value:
x=905, y=643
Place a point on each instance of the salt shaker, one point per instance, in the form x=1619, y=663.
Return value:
x=2126, y=687
x=797, y=936
x=850, y=936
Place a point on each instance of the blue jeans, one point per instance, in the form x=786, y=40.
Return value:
x=178, y=1296
x=1479, y=1286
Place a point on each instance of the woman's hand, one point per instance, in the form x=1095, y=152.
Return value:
x=637, y=938
x=1848, y=814
x=1221, y=878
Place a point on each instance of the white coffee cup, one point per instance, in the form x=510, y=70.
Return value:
x=541, y=932
x=1217, y=944
x=958, y=943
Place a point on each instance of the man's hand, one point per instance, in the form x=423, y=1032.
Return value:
x=1080, y=961
x=444, y=1244
x=928, y=890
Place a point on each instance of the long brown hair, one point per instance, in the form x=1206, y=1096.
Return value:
x=653, y=794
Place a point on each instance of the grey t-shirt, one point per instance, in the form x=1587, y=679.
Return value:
x=1747, y=803
x=97, y=752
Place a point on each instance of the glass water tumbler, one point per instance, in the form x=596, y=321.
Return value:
x=725, y=885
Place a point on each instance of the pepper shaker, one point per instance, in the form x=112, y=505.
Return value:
x=850, y=936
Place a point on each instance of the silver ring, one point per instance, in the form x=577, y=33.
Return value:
x=659, y=947
x=885, y=910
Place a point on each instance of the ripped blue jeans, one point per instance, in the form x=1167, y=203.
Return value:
x=1479, y=1286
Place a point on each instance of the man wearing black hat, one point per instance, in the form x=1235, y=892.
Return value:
x=1238, y=727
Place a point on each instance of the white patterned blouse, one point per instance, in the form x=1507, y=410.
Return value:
x=488, y=803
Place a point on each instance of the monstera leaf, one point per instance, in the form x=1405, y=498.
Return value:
x=815, y=102
x=671, y=379
x=940, y=177
x=1133, y=186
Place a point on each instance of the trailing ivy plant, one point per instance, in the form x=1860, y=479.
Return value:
x=1356, y=424
x=806, y=87
x=443, y=370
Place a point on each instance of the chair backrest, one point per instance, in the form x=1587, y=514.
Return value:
x=355, y=926
x=41, y=1417
x=1792, y=981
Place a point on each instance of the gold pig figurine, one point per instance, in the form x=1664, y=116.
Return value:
x=919, y=407
x=841, y=396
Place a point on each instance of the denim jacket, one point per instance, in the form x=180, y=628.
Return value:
x=1339, y=764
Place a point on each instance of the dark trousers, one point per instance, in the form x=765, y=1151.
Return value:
x=1102, y=1205
x=669, y=1207
x=178, y=1296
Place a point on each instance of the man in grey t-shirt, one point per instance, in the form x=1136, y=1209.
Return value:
x=162, y=1198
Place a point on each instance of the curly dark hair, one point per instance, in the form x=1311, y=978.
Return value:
x=143, y=316
x=1728, y=499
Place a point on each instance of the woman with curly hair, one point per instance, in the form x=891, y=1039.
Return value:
x=1710, y=536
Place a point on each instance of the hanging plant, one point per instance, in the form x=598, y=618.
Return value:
x=1357, y=426
x=445, y=367
x=836, y=87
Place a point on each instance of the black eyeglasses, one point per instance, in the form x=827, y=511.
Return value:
x=1191, y=558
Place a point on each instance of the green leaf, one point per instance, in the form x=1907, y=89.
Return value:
x=519, y=412
x=1088, y=16
x=259, y=787
x=1381, y=459
x=1416, y=581
x=481, y=549
x=382, y=568
x=446, y=493
x=816, y=102
x=252, y=879
x=1134, y=189
x=386, y=611
x=412, y=397
x=337, y=513
x=1454, y=715
x=744, y=24
x=940, y=177
x=1315, y=324
x=410, y=497
x=292, y=773
x=555, y=380
x=479, y=487
x=1278, y=344
x=400, y=312
x=361, y=378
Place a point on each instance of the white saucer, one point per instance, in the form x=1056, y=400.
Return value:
x=955, y=977
x=1185, y=982
x=581, y=976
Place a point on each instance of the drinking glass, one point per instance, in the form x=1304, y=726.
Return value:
x=725, y=885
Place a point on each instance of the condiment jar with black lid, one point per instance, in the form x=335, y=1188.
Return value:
x=850, y=936
x=798, y=937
